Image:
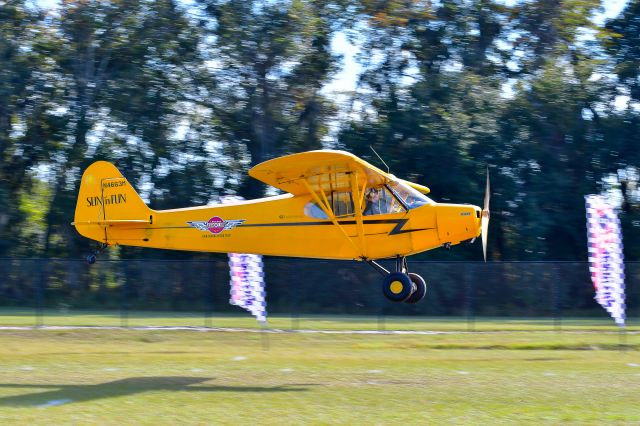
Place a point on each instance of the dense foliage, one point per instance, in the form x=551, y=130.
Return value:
x=185, y=96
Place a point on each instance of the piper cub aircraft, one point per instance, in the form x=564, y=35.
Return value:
x=336, y=206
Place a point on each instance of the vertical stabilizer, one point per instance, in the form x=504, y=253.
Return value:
x=106, y=200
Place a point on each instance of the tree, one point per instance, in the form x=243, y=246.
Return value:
x=430, y=95
x=621, y=38
x=271, y=61
x=437, y=108
x=121, y=64
x=623, y=43
x=27, y=117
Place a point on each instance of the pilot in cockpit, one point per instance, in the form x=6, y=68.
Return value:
x=374, y=204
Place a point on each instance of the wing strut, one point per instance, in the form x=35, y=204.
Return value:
x=357, y=199
x=324, y=205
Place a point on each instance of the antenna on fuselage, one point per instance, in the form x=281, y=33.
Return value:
x=385, y=164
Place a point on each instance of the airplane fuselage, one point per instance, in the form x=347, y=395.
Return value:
x=278, y=226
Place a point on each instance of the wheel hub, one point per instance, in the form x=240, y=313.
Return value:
x=396, y=287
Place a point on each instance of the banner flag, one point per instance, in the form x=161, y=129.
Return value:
x=247, y=284
x=606, y=262
x=247, y=278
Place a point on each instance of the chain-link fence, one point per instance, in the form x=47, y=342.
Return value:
x=299, y=287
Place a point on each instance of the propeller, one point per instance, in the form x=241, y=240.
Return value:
x=484, y=221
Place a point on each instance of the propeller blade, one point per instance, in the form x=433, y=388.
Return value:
x=484, y=221
x=487, y=193
x=485, y=228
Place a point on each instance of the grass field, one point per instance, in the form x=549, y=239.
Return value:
x=507, y=372
x=57, y=317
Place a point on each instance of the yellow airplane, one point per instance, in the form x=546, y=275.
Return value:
x=336, y=206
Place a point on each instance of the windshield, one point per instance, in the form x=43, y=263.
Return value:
x=408, y=196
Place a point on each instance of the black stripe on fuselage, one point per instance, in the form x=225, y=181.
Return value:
x=395, y=231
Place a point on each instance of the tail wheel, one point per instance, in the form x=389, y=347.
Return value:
x=397, y=286
x=420, y=291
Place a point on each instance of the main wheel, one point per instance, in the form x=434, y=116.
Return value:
x=420, y=291
x=397, y=286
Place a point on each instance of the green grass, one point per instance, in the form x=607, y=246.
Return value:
x=512, y=373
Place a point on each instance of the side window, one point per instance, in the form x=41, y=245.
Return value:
x=311, y=209
x=341, y=204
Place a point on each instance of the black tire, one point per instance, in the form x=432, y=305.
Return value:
x=397, y=286
x=420, y=291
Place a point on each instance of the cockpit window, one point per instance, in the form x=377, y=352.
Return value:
x=409, y=196
x=380, y=201
x=341, y=205
x=394, y=197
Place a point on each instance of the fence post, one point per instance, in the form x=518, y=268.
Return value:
x=469, y=293
x=557, y=315
x=124, y=312
x=295, y=315
x=382, y=303
x=210, y=291
x=40, y=293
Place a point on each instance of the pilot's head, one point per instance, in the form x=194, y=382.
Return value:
x=373, y=194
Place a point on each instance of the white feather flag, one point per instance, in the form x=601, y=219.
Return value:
x=606, y=261
x=247, y=279
x=247, y=284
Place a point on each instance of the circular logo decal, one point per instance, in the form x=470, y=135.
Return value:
x=215, y=225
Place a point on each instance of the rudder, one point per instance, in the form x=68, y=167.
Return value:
x=107, y=200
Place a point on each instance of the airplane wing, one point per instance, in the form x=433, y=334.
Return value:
x=328, y=170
